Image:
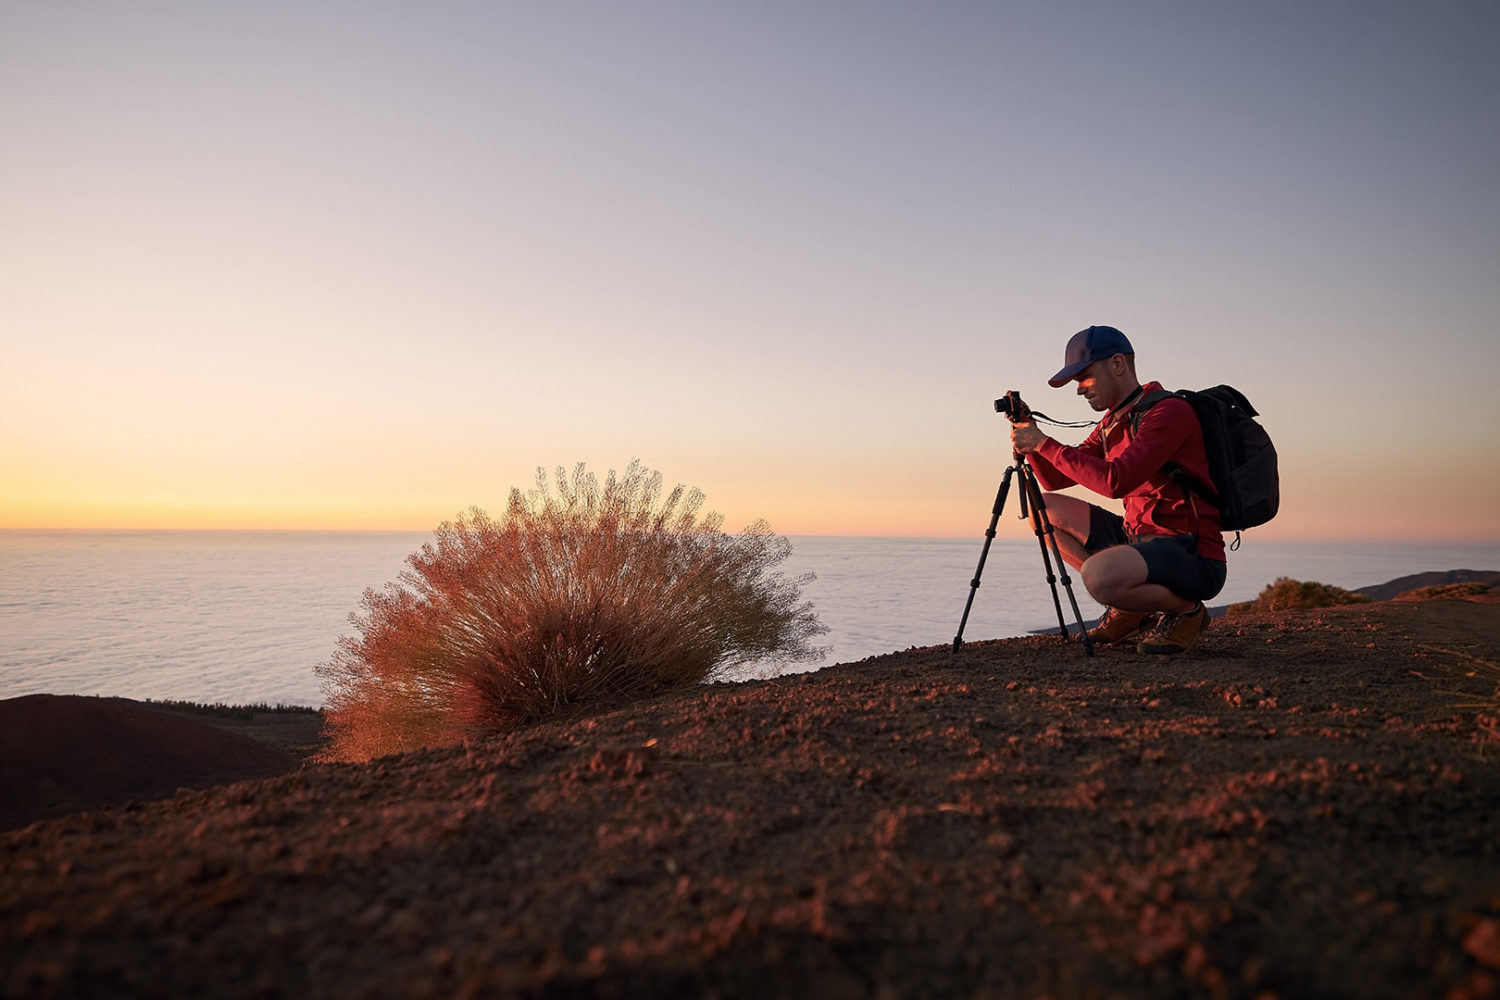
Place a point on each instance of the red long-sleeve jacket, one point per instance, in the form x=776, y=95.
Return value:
x=1122, y=464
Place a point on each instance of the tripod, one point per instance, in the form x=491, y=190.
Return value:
x=1030, y=493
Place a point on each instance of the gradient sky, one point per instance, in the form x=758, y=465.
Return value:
x=323, y=265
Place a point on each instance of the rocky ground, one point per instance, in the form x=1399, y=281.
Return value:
x=1306, y=805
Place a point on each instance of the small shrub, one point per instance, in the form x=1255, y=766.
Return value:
x=1286, y=594
x=1443, y=591
x=591, y=594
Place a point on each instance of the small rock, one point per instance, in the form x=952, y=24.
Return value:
x=1483, y=943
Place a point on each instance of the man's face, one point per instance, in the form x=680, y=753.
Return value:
x=1099, y=386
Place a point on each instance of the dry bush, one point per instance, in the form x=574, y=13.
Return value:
x=1443, y=592
x=1286, y=594
x=588, y=595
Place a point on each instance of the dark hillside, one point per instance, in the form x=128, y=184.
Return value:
x=1386, y=591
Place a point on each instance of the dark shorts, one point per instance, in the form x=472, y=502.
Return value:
x=1171, y=560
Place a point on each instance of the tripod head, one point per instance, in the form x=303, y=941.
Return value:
x=1015, y=410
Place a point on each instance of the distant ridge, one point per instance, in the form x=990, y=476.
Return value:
x=1375, y=591
x=1435, y=578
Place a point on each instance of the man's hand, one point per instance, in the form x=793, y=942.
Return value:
x=1026, y=438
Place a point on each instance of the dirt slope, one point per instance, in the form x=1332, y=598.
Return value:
x=1295, y=809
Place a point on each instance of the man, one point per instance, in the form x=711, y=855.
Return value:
x=1165, y=557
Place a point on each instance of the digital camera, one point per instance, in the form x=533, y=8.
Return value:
x=1013, y=407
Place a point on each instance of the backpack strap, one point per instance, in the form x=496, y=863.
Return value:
x=1145, y=403
x=1189, y=482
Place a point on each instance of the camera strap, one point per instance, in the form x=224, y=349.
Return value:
x=1039, y=415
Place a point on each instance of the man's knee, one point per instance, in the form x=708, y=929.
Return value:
x=1070, y=514
x=1110, y=573
x=1095, y=579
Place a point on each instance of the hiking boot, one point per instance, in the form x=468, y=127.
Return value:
x=1117, y=625
x=1175, y=633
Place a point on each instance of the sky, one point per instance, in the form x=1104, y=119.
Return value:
x=364, y=265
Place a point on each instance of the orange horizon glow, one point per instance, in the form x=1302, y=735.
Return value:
x=928, y=493
x=416, y=519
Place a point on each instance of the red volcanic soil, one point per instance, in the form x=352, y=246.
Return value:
x=1297, y=808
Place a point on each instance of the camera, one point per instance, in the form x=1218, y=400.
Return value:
x=1013, y=407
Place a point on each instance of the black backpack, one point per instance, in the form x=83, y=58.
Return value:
x=1246, y=487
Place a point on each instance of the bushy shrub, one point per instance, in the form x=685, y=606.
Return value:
x=587, y=595
x=1443, y=592
x=1285, y=594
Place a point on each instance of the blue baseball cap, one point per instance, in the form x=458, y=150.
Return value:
x=1088, y=346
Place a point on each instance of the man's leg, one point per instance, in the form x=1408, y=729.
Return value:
x=1117, y=577
x=1078, y=524
x=1114, y=573
x=1071, y=520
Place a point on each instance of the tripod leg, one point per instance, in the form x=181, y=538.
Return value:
x=1038, y=514
x=989, y=536
x=1039, y=509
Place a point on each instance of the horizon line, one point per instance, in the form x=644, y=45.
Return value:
x=977, y=537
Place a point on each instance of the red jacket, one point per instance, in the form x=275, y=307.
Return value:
x=1121, y=464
